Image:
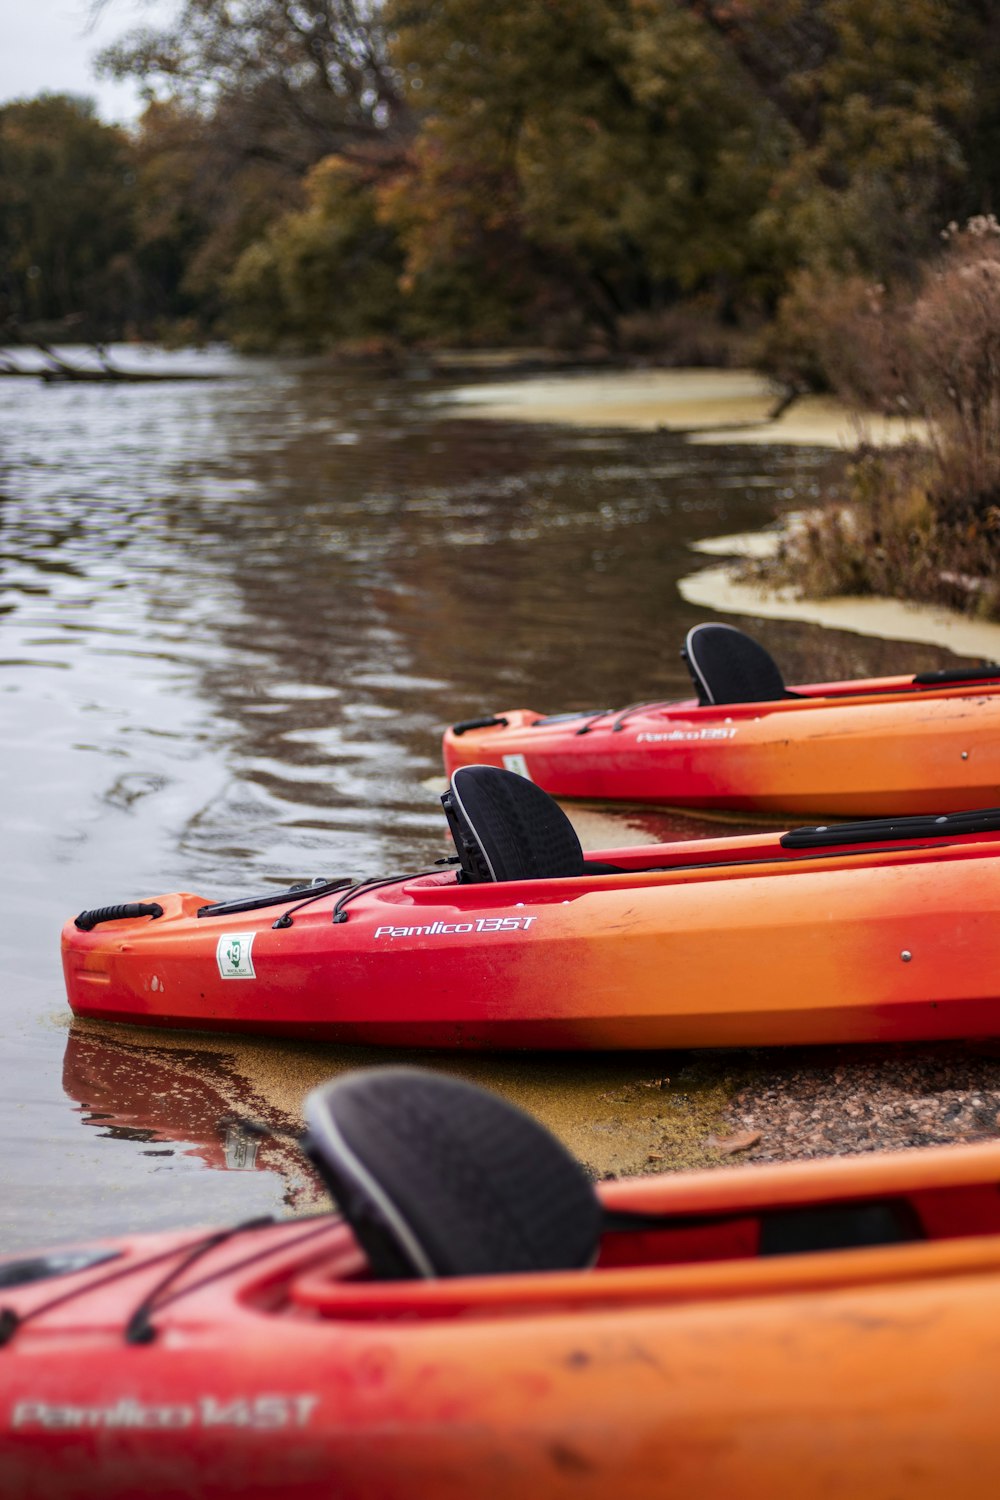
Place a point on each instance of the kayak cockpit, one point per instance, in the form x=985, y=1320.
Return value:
x=456, y=1204
x=465, y=1206
x=730, y=670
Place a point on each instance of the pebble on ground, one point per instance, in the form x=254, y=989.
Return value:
x=824, y=1103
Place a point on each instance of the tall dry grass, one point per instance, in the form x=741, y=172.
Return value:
x=921, y=521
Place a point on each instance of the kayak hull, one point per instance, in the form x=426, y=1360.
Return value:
x=737, y=942
x=882, y=752
x=869, y=1372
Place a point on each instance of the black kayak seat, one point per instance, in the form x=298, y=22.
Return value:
x=728, y=666
x=438, y=1177
x=506, y=828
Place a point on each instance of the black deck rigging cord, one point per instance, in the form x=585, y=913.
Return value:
x=634, y=708
x=620, y=715
x=11, y=1321
x=326, y=889
x=371, y=883
x=139, y=1329
x=586, y=728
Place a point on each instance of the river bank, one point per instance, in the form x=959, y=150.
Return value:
x=707, y=406
x=726, y=589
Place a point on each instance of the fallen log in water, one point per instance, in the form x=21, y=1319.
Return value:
x=58, y=370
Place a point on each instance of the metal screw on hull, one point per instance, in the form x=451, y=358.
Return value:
x=906, y=955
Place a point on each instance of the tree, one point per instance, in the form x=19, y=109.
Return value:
x=198, y=208
x=327, y=274
x=878, y=98
x=560, y=165
x=247, y=97
x=609, y=137
x=67, y=189
x=285, y=81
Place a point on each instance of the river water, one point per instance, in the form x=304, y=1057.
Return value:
x=235, y=615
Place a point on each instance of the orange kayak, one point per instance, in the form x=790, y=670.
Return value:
x=818, y=1329
x=864, y=748
x=879, y=931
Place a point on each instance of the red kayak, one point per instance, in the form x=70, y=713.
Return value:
x=875, y=747
x=483, y=1321
x=880, y=931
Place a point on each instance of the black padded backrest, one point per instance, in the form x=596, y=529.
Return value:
x=506, y=828
x=437, y=1177
x=730, y=667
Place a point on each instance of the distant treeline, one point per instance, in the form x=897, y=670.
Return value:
x=616, y=174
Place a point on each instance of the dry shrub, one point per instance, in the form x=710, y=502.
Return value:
x=840, y=334
x=955, y=356
x=921, y=524
x=876, y=540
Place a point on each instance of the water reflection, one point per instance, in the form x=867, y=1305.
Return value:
x=181, y=1098
x=176, y=1100
x=234, y=618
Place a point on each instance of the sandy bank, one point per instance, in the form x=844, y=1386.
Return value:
x=710, y=406
x=718, y=591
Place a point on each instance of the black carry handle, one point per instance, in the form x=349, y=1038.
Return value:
x=89, y=919
x=988, y=673
x=489, y=721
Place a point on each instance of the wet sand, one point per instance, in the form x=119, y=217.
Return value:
x=619, y=1113
x=721, y=590
x=710, y=406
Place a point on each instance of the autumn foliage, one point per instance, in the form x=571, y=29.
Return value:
x=588, y=173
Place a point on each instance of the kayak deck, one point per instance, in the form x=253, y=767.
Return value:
x=722, y=942
x=692, y=1359
x=874, y=748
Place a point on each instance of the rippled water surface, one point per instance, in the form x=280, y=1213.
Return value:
x=235, y=615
